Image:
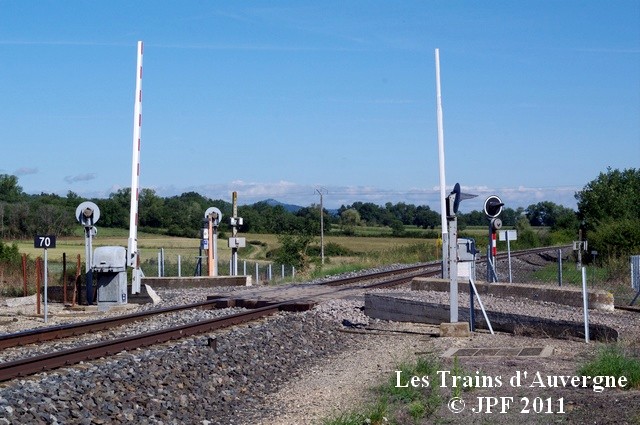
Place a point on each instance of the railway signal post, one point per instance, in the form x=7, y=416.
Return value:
x=88, y=214
x=212, y=217
x=452, y=203
x=492, y=209
x=234, y=241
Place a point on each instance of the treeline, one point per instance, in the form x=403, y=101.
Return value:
x=608, y=214
x=23, y=215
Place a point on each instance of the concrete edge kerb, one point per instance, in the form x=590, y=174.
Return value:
x=598, y=299
x=197, y=281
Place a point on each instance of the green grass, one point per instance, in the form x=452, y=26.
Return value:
x=614, y=361
x=402, y=404
x=608, y=278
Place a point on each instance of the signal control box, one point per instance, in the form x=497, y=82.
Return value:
x=110, y=267
x=467, y=258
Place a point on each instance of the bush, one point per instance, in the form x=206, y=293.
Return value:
x=331, y=249
x=616, y=239
x=9, y=254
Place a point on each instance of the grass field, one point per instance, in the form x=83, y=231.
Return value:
x=260, y=244
x=363, y=252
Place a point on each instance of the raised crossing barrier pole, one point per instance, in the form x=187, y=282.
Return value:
x=133, y=257
x=443, y=206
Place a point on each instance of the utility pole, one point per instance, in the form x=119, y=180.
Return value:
x=320, y=192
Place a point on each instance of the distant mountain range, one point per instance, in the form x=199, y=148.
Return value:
x=288, y=207
x=292, y=208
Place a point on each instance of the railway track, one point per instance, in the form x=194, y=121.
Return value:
x=306, y=297
x=35, y=364
x=81, y=328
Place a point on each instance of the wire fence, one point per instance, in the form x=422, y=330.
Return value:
x=190, y=265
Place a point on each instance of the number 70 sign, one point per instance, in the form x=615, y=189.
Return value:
x=45, y=241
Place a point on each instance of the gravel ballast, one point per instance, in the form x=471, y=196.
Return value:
x=296, y=368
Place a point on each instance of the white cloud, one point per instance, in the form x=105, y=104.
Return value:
x=336, y=196
x=23, y=171
x=80, y=178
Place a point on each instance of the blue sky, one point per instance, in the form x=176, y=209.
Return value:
x=275, y=99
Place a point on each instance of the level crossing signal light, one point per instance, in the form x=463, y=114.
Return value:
x=493, y=206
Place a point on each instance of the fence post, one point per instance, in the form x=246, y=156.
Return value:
x=257, y=276
x=585, y=304
x=560, y=267
x=75, y=282
x=38, y=273
x=282, y=272
x=270, y=275
x=179, y=265
x=24, y=274
x=64, y=278
x=293, y=272
x=244, y=267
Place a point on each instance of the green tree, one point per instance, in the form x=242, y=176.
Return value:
x=612, y=196
x=426, y=218
x=552, y=215
x=349, y=219
x=151, y=209
x=609, y=208
x=397, y=228
x=10, y=191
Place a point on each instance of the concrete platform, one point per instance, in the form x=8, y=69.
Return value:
x=196, y=281
x=571, y=296
x=405, y=308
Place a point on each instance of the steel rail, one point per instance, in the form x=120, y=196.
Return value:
x=35, y=364
x=80, y=328
x=75, y=329
x=32, y=365
x=50, y=333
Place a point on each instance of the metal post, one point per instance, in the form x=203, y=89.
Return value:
x=179, y=266
x=585, y=304
x=282, y=272
x=88, y=253
x=46, y=298
x=257, y=276
x=159, y=264
x=233, y=266
x=453, y=269
x=269, y=272
x=293, y=272
x=244, y=268
x=472, y=311
x=559, y=267
x=509, y=254
x=210, y=247
x=320, y=192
